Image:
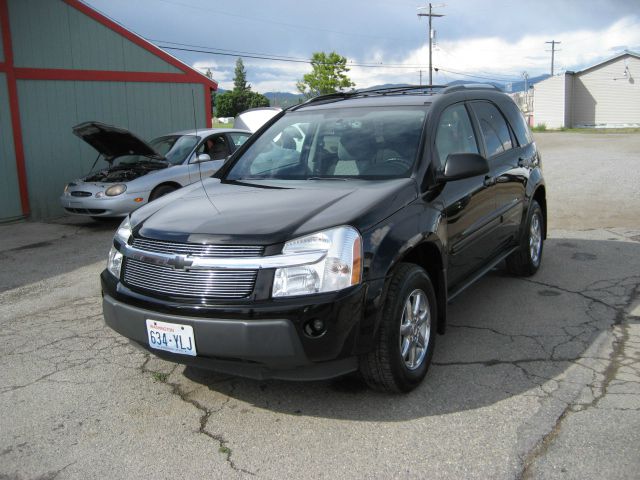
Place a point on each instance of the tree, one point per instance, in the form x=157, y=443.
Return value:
x=241, y=98
x=209, y=75
x=258, y=100
x=240, y=78
x=328, y=75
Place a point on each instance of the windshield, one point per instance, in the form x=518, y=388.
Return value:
x=380, y=142
x=174, y=148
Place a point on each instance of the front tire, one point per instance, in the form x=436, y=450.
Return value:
x=526, y=260
x=161, y=191
x=406, y=338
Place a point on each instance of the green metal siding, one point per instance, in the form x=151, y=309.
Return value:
x=48, y=110
x=51, y=34
x=9, y=193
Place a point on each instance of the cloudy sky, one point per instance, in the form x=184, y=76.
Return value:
x=384, y=39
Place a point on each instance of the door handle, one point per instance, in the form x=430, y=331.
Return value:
x=488, y=181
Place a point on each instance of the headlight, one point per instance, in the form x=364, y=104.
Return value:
x=114, y=263
x=340, y=268
x=114, y=190
x=124, y=231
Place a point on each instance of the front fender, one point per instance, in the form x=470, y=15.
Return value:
x=391, y=242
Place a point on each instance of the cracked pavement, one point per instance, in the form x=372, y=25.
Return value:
x=536, y=378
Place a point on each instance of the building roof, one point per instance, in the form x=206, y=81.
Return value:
x=611, y=59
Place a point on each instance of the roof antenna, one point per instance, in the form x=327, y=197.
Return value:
x=195, y=125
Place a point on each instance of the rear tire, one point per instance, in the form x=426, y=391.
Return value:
x=406, y=337
x=161, y=191
x=526, y=260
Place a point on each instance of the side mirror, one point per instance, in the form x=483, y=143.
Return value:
x=203, y=157
x=463, y=165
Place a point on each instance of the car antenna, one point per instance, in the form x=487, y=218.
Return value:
x=195, y=125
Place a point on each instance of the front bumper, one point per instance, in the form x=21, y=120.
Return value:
x=255, y=340
x=119, y=206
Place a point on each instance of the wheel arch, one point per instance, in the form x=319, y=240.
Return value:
x=173, y=184
x=540, y=196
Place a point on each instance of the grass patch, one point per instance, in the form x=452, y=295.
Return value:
x=541, y=127
x=225, y=450
x=216, y=124
x=601, y=130
x=160, y=377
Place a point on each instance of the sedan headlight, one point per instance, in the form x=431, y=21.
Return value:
x=114, y=190
x=114, y=263
x=340, y=268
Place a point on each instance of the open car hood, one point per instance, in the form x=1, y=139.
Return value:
x=112, y=142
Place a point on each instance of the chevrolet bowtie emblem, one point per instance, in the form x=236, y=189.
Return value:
x=180, y=262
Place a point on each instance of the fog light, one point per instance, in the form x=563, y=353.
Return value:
x=314, y=328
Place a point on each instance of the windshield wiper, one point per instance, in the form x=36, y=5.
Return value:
x=328, y=178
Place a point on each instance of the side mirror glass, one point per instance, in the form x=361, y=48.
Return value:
x=463, y=165
x=203, y=157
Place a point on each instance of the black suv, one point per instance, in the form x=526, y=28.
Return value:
x=334, y=238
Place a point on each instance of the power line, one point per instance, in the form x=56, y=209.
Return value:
x=474, y=76
x=280, y=59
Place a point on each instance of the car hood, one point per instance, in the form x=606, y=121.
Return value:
x=265, y=213
x=112, y=142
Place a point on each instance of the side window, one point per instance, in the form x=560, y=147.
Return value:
x=519, y=124
x=494, y=128
x=238, y=138
x=455, y=134
x=216, y=146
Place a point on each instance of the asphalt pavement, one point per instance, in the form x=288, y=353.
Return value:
x=535, y=378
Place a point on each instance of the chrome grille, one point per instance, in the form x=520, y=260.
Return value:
x=197, y=249
x=195, y=284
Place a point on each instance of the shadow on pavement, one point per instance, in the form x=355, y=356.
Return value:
x=507, y=336
x=44, y=250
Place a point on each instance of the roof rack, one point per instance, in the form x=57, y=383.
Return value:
x=471, y=86
x=425, y=89
x=365, y=92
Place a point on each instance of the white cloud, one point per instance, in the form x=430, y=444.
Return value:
x=492, y=57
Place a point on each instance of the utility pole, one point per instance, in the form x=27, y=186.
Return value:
x=420, y=77
x=553, y=51
x=430, y=15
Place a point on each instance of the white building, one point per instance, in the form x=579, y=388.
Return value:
x=604, y=95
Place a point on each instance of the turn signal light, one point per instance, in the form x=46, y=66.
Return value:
x=138, y=199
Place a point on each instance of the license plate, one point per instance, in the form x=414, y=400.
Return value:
x=171, y=337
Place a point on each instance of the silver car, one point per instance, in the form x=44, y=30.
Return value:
x=139, y=172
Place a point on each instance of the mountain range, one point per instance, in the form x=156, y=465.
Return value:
x=286, y=99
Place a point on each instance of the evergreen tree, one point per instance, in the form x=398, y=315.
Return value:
x=241, y=98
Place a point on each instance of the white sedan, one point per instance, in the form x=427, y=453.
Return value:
x=139, y=172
